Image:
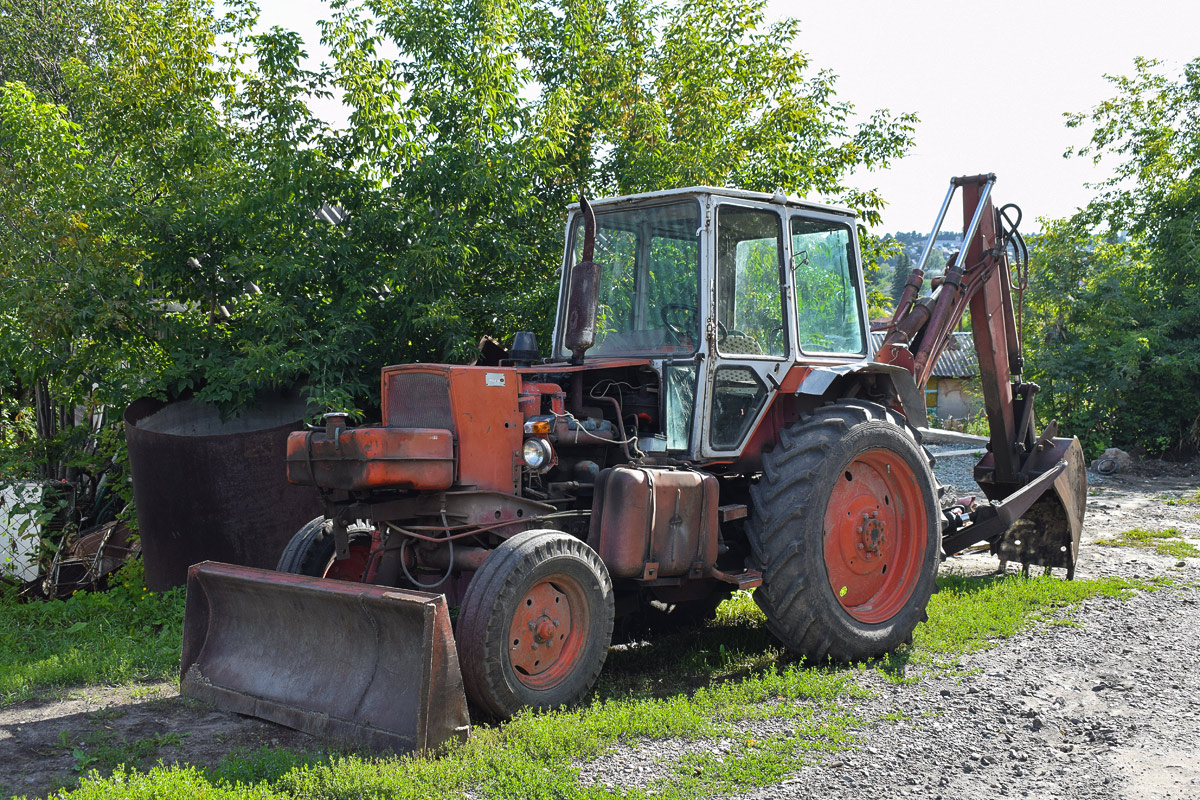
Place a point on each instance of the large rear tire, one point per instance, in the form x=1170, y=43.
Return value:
x=311, y=552
x=846, y=529
x=535, y=625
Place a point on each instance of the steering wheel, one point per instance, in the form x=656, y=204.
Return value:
x=677, y=327
x=775, y=339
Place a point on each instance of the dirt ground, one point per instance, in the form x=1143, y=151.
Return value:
x=1104, y=707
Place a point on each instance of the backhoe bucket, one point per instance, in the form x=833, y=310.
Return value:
x=372, y=665
x=1047, y=534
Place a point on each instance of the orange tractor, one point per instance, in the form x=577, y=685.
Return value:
x=711, y=416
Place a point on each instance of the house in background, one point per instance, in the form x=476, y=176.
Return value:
x=946, y=394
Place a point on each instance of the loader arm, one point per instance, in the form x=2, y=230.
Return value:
x=979, y=278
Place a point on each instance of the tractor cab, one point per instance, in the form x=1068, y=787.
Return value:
x=724, y=290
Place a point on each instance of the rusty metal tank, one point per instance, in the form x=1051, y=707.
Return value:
x=209, y=489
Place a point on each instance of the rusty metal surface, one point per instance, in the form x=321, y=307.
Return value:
x=490, y=430
x=416, y=398
x=208, y=489
x=958, y=360
x=86, y=559
x=366, y=458
x=1048, y=533
x=654, y=520
x=371, y=665
x=584, y=295
x=485, y=419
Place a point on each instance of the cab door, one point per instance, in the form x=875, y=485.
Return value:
x=748, y=336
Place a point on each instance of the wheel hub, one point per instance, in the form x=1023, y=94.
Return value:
x=540, y=631
x=871, y=538
x=544, y=630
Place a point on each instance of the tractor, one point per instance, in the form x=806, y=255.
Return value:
x=710, y=416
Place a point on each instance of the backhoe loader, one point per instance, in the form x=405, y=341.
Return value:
x=710, y=416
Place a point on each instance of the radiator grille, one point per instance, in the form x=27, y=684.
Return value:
x=419, y=400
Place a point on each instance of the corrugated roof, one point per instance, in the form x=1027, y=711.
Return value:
x=958, y=360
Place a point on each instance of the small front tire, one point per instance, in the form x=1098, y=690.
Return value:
x=535, y=625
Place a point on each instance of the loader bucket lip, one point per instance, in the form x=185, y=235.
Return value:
x=372, y=665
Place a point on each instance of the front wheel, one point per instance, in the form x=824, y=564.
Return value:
x=846, y=530
x=311, y=552
x=535, y=625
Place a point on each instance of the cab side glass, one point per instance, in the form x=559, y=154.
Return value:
x=827, y=298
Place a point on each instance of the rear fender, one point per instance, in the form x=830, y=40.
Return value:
x=832, y=382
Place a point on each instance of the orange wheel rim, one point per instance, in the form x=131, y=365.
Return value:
x=876, y=531
x=548, y=632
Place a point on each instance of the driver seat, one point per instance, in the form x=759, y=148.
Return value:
x=740, y=344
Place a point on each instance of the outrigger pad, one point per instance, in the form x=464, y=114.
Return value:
x=1048, y=533
x=372, y=665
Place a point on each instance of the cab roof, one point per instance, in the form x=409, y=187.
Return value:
x=779, y=198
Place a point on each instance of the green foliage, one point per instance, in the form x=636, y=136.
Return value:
x=160, y=231
x=1167, y=542
x=969, y=614
x=127, y=633
x=1114, y=295
x=903, y=269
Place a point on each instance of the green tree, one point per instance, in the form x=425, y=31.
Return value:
x=904, y=268
x=162, y=171
x=1115, y=290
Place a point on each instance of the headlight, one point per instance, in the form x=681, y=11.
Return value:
x=538, y=454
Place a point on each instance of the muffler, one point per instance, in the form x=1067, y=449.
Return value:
x=372, y=665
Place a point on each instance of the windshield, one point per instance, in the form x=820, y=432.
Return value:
x=649, y=262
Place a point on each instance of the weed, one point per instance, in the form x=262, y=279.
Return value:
x=1184, y=500
x=125, y=634
x=969, y=613
x=1168, y=542
x=104, y=750
x=263, y=764
x=106, y=714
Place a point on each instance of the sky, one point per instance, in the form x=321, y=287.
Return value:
x=989, y=81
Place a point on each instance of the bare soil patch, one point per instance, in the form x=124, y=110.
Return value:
x=45, y=744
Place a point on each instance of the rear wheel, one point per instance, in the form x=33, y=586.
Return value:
x=535, y=624
x=311, y=552
x=846, y=530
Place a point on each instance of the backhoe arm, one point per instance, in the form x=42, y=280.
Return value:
x=979, y=277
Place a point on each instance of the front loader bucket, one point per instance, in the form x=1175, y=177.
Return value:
x=1047, y=534
x=372, y=665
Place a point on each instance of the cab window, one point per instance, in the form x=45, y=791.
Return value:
x=827, y=294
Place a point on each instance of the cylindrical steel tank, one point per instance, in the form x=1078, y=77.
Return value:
x=213, y=489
